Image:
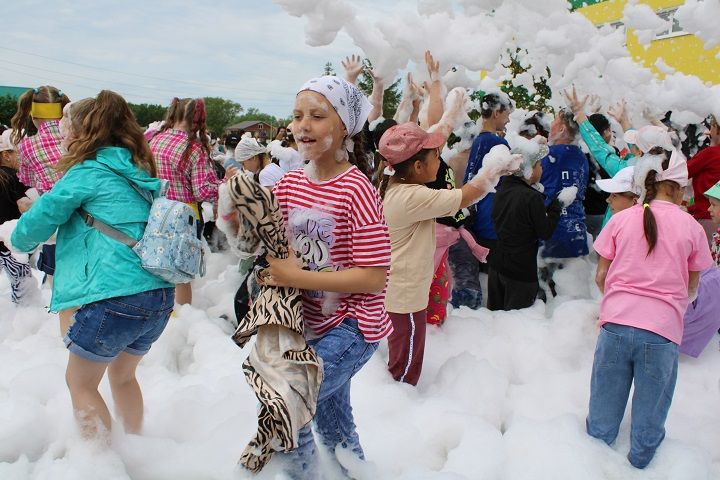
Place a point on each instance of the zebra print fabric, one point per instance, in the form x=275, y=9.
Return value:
x=283, y=371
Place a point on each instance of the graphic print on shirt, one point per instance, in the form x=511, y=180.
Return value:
x=312, y=236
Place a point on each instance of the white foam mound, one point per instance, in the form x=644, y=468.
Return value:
x=503, y=395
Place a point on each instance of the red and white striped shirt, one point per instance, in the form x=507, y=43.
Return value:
x=335, y=225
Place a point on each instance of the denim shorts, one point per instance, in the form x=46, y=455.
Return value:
x=128, y=324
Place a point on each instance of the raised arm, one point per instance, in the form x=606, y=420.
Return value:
x=435, y=101
x=376, y=97
x=603, y=153
x=411, y=93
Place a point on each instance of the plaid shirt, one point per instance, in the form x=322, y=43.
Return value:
x=194, y=180
x=38, y=156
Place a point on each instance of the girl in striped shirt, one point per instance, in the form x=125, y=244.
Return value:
x=335, y=221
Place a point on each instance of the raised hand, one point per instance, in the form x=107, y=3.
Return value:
x=619, y=113
x=576, y=103
x=353, y=66
x=432, y=66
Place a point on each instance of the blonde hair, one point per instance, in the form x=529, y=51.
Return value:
x=105, y=121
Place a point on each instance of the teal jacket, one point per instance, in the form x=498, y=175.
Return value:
x=603, y=154
x=90, y=266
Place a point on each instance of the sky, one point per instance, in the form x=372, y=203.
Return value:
x=249, y=51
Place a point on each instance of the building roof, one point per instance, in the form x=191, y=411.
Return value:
x=14, y=92
x=245, y=125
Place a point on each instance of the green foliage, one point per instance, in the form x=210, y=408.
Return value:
x=8, y=107
x=147, y=113
x=328, y=69
x=535, y=99
x=391, y=96
x=221, y=113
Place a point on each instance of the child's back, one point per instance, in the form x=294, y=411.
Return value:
x=650, y=291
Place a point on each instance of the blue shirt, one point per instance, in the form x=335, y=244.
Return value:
x=566, y=166
x=483, y=227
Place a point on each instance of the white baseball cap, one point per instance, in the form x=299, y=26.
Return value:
x=6, y=142
x=621, y=182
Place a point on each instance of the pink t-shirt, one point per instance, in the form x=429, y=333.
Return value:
x=651, y=291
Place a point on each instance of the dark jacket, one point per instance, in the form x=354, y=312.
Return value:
x=521, y=220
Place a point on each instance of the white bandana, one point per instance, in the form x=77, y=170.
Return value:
x=248, y=148
x=347, y=100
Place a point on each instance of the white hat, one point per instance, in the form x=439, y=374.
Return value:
x=247, y=148
x=649, y=137
x=6, y=142
x=621, y=182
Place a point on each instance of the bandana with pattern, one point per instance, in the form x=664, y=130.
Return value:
x=347, y=100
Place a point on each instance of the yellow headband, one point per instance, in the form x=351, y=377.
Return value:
x=46, y=110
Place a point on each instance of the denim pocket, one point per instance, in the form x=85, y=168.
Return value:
x=607, y=351
x=660, y=359
x=118, y=330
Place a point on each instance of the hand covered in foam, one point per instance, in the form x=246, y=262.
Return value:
x=457, y=104
x=6, y=230
x=567, y=195
x=498, y=162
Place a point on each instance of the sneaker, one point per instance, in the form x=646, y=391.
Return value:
x=466, y=297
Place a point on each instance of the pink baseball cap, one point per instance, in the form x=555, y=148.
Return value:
x=400, y=142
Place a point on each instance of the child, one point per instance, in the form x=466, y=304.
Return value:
x=702, y=318
x=495, y=112
x=411, y=209
x=123, y=308
x=335, y=222
x=521, y=219
x=12, y=193
x=182, y=156
x=704, y=169
x=39, y=153
x=38, y=156
x=650, y=259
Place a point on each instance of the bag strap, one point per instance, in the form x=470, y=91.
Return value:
x=103, y=227
x=113, y=232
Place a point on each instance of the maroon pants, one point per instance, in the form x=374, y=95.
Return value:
x=407, y=346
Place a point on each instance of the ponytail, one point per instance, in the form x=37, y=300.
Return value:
x=20, y=122
x=358, y=156
x=649, y=223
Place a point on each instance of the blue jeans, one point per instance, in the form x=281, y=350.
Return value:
x=625, y=354
x=343, y=351
x=128, y=324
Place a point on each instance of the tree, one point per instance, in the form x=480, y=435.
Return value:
x=535, y=99
x=146, y=113
x=8, y=107
x=329, y=69
x=391, y=95
x=221, y=113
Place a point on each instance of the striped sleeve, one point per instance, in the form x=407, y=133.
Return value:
x=370, y=241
